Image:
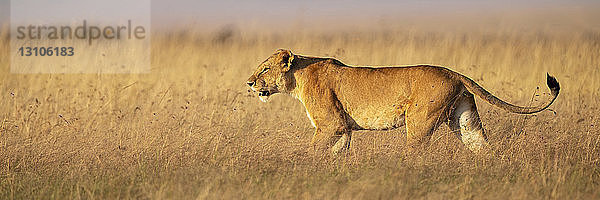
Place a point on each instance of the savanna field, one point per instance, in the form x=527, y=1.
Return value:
x=190, y=129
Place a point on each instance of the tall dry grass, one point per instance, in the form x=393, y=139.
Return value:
x=190, y=128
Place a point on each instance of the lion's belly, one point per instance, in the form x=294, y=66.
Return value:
x=378, y=119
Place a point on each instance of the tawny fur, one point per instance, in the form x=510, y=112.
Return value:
x=340, y=98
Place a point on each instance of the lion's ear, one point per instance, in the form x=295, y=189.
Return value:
x=287, y=58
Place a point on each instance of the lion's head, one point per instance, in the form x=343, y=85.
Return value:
x=273, y=75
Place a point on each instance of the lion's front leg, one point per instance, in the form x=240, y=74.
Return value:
x=331, y=140
x=343, y=144
x=332, y=134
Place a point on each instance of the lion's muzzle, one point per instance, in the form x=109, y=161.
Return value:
x=264, y=93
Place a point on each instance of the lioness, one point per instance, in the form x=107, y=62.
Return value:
x=339, y=98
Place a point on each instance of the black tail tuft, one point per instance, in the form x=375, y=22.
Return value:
x=552, y=84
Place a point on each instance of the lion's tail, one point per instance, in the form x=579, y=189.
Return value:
x=474, y=88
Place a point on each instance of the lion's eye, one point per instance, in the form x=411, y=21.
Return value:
x=265, y=70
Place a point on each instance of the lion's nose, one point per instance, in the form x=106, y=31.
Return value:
x=250, y=83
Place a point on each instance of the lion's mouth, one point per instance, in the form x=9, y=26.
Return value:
x=264, y=93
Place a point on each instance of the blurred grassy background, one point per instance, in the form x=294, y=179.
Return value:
x=190, y=129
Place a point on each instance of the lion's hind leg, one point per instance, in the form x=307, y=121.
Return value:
x=420, y=125
x=464, y=118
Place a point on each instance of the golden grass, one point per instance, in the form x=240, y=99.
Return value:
x=190, y=129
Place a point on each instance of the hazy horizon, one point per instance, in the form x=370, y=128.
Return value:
x=311, y=14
